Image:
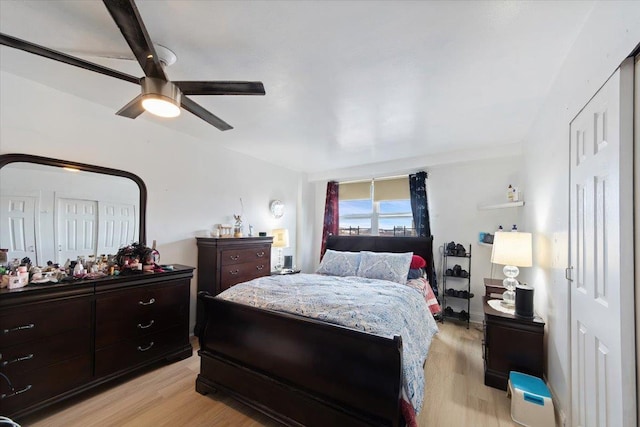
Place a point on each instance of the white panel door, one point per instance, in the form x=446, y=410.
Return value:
x=117, y=226
x=77, y=228
x=602, y=290
x=18, y=227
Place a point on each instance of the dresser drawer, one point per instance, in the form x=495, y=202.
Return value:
x=237, y=273
x=129, y=353
x=147, y=301
x=22, y=324
x=32, y=355
x=43, y=383
x=145, y=323
x=256, y=254
x=134, y=313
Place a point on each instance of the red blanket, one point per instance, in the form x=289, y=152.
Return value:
x=422, y=285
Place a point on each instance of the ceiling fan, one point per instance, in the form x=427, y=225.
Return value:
x=159, y=95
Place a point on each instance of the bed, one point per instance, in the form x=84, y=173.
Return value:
x=305, y=371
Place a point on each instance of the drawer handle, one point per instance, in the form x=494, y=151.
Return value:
x=260, y=254
x=15, y=393
x=151, y=301
x=148, y=325
x=140, y=348
x=259, y=267
x=234, y=257
x=17, y=359
x=19, y=328
x=234, y=272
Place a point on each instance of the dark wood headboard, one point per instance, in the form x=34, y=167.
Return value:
x=418, y=245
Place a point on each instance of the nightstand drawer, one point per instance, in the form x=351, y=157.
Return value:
x=257, y=254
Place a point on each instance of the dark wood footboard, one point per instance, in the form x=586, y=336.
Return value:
x=298, y=370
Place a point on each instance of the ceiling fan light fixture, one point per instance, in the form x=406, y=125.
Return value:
x=160, y=106
x=160, y=97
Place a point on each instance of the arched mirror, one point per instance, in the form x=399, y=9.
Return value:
x=54, y=210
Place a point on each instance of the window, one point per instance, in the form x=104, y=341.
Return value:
x=381, y=207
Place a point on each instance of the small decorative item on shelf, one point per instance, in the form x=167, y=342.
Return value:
x=224, y=231
x=512, y=194
x=237, y=227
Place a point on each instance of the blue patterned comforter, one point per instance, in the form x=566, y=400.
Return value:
x=374, y=306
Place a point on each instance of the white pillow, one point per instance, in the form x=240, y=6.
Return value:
x=339, y=263
x=393, y=267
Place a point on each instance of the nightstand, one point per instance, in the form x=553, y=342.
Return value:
x=284, y=272
x=511, y=343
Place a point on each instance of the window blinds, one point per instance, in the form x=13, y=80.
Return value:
x=383, y=189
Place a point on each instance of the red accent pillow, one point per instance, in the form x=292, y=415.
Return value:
x=418, y=262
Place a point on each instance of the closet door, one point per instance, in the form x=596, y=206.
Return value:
x=18, y=227
x=77, y=228
x=603, y=389
x=117, y=226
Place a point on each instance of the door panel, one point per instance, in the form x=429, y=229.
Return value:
x=17, y=227
x=117, y=226
x=602, y=325
x=77, y=228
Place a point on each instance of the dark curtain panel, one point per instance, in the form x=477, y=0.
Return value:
x=331, y=215
x=420, y=209
x=419, y=203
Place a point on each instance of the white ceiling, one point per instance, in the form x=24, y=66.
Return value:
x=348, y=83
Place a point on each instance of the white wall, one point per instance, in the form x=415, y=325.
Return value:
x=610, y=34
x=455, y=191
x=192, y=184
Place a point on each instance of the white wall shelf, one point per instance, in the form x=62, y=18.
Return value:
x=502, y=205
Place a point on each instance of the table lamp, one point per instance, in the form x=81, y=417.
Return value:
x=280, y=241
x=511, y=249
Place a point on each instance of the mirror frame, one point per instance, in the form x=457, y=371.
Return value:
x=6, y=159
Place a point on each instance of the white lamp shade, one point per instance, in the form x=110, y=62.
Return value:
x=280, y=238
x=512, y=248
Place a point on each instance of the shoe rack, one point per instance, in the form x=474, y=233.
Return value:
x=456, y=283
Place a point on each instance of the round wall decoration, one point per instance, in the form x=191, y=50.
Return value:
x=277, y=208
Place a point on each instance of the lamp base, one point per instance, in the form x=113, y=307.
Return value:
x=509, y=299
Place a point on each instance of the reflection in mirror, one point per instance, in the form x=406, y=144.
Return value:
x=53, y=210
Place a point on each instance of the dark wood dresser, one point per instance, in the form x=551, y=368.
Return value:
x=57, y=340
x=224, y=262
x=511, y=343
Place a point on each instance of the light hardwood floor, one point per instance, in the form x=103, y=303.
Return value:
x=455, y=395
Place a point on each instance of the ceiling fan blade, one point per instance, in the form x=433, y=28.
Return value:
x=127, y=17
x=133, y=109
x=195, y=108
x=63, y=57
x=220, y=88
